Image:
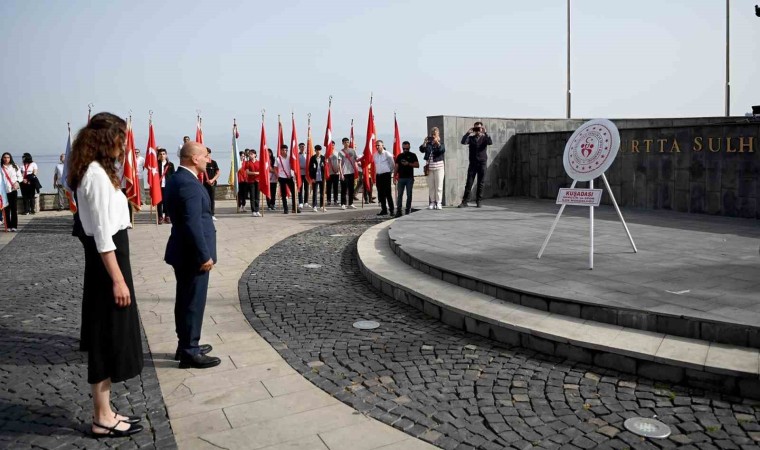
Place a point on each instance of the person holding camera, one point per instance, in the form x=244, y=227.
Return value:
x=434, y=150
x=478, y=141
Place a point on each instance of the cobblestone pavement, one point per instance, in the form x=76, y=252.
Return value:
x=454, y=389
x=44, y=396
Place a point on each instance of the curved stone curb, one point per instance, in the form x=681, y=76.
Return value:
x=660, y=356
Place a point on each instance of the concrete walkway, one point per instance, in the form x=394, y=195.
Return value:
x=253, y=399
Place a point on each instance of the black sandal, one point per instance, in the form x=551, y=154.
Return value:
x=129, y=419
x=113, y=432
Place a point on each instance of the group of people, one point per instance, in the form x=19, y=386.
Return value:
x=19, y=178
x=110, y=330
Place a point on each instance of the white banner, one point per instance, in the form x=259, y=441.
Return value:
x=579, y=197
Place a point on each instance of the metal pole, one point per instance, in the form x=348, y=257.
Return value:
x=591, y=230
x=728, y=79
x=568, y=58
x=554, y=225
x=620, y=214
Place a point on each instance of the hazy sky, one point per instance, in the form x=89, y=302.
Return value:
x=502, y=58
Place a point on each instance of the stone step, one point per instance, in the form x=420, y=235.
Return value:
x=697, y=363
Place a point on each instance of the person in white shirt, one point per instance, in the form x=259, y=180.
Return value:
x=58, y=183
x=384, y=166
x=348, y=171
x=140, y=163
x=12, y=179
x=29, y=183
x=284, y=173
x=110, y=322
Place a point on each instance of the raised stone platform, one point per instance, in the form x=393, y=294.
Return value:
x=694, y=276
x=489, y=282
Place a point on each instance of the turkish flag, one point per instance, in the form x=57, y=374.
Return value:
x=198, y=132
x=264, y=164
x=328, y=143
x=294, y=157
x=130, y=170
x=368, y=155
x=151, y=163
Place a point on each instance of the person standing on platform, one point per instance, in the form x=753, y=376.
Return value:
x=191, y=251
x=303, y=193
x=478, y=141
x=110, y=332
x=12, y=179
x=209, y=181
x=406, y=162
x=434, y=150
x=348, y=170
x=165, y=171
x=333, y=179
x=29, y=183
x=185, y=140
x=384, y=166
x=140, y=164
x=252, y=181
x=316, y=172
x=60, y=191
x=285, y=178
x=272, y=183
x=242, y=180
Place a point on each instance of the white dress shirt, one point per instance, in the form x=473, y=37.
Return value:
x=103, y=208
x=384, y=162
x=283, y=167
x=13, y=176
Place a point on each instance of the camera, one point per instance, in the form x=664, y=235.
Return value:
x=476, y=129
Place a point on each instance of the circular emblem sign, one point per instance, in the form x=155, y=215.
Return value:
x=591, y=149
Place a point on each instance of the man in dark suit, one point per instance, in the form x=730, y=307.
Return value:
x=191, y=251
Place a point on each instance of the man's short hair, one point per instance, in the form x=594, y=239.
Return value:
x=380, y=141
x=161, y=150
x=345, y=140
x=479, y=123
x=208, y=149
x=283, y=147
x=185, y=137
x=301, y=144
x=317, y=147
x=253, y=151
x=406, y=143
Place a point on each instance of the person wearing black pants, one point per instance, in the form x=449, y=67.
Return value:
x=11, y=176
x=303, y=193
x=384, y=166
x=285, y=178
x=251, y=172
x=165, y=171
x=478, y=141
x=348, y=170
x=316, y=172
x=210, y=180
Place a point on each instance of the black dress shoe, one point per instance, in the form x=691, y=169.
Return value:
x=382, y=213
x=204, y=348
x=463, y=205
x=477, y=205
x=199, y=362
x=113, y=432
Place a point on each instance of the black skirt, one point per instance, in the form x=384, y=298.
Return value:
x=110, y=335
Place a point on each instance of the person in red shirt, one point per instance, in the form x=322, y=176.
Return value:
x=242, y=180
x=251, y=167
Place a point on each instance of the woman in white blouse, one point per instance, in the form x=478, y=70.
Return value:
x=28, y=182
x=110, y=322
x=12, y=178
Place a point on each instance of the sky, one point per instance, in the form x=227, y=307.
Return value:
x=491, y=58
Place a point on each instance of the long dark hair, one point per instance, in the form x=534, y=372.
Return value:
x=11, y=160
x=96, y=142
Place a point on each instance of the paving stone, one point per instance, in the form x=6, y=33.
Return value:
x=472, y=391
x=45, y=401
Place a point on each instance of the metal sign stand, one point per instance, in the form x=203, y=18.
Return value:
x=591, y=223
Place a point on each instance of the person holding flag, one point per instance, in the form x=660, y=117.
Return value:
x=295, y=164
x=303, y=165
x=282, y=167
x=316, y=172
x=151, y=165
x=264, y=166
x=252, y=168
x=348, y=170
x=165, y=171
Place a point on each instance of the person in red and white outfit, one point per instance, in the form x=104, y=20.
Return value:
x=165, y=171
x=12, y=179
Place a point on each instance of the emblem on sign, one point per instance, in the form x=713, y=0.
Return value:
x=591, y=149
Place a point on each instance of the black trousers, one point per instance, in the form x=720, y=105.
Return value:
x=160, y=206
x=303, y=193
x=475, y=169
x=242, y=193
x=190, y=303
x=318, y=185
x=272, y=195
x=253, y=191
x=284, y=184
x=347, y=186
x=211, y=194
x=332, y=188
x=11, y=212
x=385, y=191
x=27, y=192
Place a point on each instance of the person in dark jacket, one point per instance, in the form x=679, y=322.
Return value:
x=165, y=172
x=434, y=168
x=316, y=172
x=478, y=141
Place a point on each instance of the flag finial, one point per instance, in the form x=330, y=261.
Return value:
x=309, y=118
x=263, y=111
x=68, y=125
x=329, y=104
x=371, y=96
x=150, y=116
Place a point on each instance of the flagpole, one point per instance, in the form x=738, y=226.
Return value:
x=150, y=212
x=262, y=150
x=327, y=162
